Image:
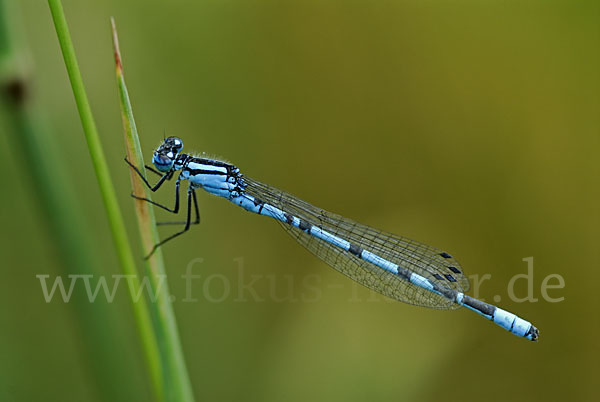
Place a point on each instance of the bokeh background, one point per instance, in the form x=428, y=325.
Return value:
x=469, y=125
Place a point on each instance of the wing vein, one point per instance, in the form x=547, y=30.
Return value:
x=420, y=258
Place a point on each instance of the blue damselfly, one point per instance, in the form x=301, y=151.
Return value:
x=391, y=265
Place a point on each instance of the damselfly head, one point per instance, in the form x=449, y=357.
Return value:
x=165, y=155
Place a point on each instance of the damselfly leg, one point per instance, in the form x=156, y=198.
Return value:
x=195, y=222
x=165, y=176
x=150, y=168
x=191, y=196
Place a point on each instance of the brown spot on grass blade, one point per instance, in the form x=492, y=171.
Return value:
x=117, y=51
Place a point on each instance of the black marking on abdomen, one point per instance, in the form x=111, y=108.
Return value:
x=258, y=202
x=445, y=255
x=450, y=278
x=438, y=277
x=454, y=269
x=404, y=273
x=485, y=308
x=304, y=225
x=288, y=218
x=448, y=293
x=356, y=250
x=532, y=333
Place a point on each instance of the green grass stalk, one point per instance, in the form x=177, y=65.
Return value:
x=125, y=255
x=59, y=211
x=177, y=383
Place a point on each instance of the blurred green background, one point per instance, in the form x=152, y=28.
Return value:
x=472, y=126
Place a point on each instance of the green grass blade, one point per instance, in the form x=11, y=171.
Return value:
x=115, y=219
x=58, y=209
x=177, y=383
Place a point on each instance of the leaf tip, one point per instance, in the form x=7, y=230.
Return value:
x=118, y=63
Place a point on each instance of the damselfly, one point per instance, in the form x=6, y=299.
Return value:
x=391, y=265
